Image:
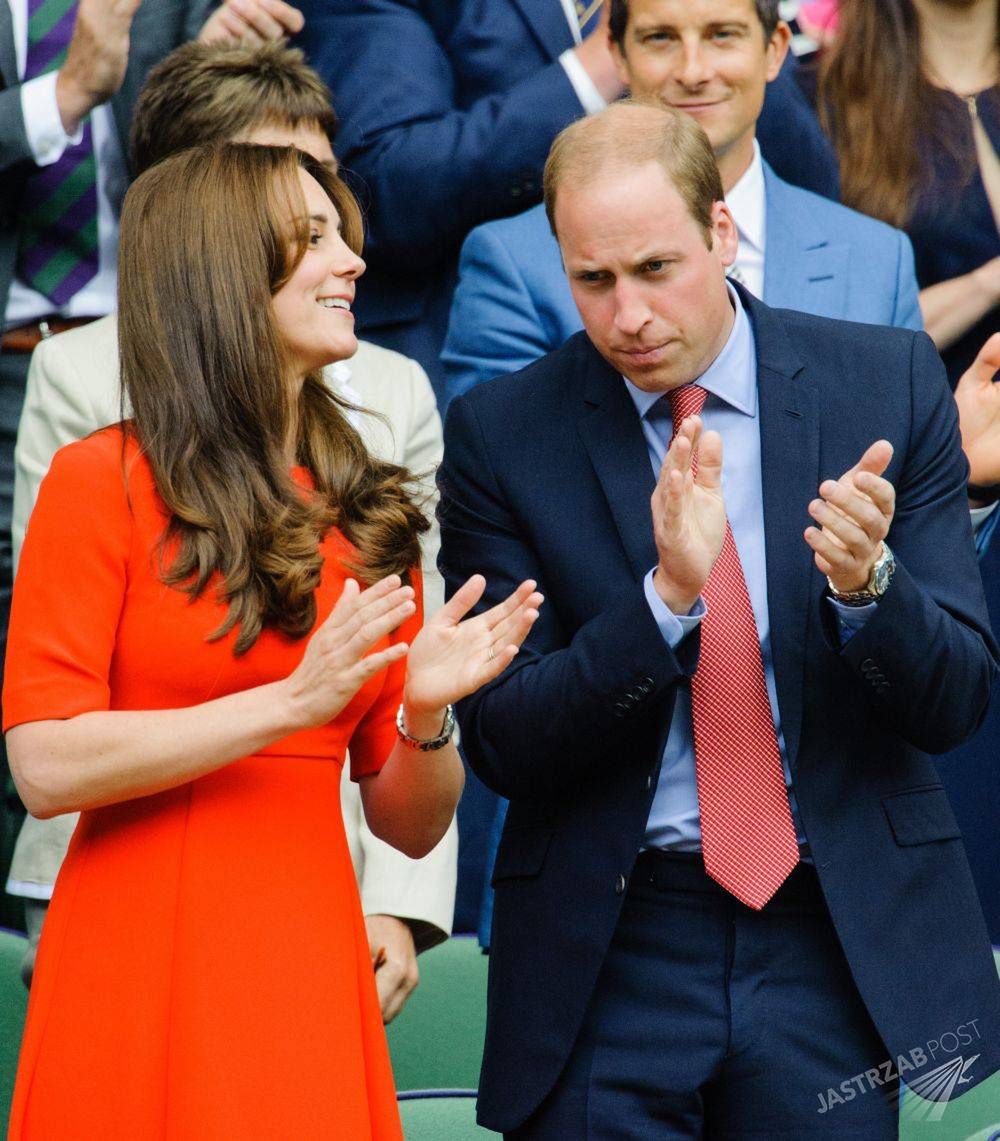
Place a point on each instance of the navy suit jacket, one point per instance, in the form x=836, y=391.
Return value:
x=546, y=476
x=513, y=302
x=971, y=773
x=448, y=108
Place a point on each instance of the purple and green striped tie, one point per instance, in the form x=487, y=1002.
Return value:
x=588, y=12
x=57, y=251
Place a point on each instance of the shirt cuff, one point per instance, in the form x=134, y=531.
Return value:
x=979, y=515
x=850, y=619
x=674, y=627
x=591, y=100
x=42, y=121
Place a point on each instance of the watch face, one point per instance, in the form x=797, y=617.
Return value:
x=883, y=572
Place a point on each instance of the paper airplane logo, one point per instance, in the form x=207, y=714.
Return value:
x=935, y=1090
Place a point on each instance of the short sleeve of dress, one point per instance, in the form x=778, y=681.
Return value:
x=70, y=586
x=375, y=735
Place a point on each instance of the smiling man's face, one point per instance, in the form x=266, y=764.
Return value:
x=649, y=282
x=709, y=59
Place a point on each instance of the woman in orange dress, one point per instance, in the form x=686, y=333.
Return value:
x=193, y=649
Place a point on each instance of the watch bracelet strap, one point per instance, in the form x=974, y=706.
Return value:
x=864, y=597
x=429, y=744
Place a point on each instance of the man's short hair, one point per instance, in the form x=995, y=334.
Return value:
x=630, y=134
x=206, y=93
x=767, y=13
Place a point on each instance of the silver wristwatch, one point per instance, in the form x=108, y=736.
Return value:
x=875, y=587
x=429, y=744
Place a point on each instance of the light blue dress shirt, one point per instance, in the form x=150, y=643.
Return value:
x=731, y=410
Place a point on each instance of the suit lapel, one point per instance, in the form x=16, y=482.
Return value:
x=547, y=20
x=789, y=445
x=609, y=427
x=8, y=54
x=805, y=268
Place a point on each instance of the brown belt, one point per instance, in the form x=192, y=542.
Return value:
x=26, y=338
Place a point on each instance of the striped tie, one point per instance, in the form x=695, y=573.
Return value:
x=57, y=252
x=588, y=12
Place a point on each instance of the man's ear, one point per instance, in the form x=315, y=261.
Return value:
x=777, y=49
x=621, y=63
x=725, y=237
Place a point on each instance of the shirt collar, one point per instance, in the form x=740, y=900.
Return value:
x=746, y=201
x=731, y=377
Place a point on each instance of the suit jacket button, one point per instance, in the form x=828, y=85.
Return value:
x=620, y=709
x=867, y=664
x=620, y=884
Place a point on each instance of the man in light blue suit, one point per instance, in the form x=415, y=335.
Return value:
x=712, y=60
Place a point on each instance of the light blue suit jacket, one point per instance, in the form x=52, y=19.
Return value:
x=513, y=303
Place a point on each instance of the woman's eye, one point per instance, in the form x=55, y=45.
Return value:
x=314, y=238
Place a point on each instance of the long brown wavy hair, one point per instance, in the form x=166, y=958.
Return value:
x=882, y=112
x=206, y=241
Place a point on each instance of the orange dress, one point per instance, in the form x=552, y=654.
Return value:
x=204, y=973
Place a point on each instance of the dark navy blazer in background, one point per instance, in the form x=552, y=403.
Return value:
x=448, y=109
x=971, y=773
x=546, y=475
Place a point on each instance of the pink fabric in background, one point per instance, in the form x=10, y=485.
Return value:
x=818, y=18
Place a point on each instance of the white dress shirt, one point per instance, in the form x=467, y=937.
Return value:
x=590, y=98
x=748, y=202
x=48, y=140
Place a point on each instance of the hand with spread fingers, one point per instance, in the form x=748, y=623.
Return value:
x=336, y=662
x=453, y=656
x=689, y=515
x=977, y=395
x=854, y=514
x=251, y=22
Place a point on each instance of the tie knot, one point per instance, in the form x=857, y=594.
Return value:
x=684, y=402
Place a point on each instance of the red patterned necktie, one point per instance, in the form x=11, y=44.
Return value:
x=747, y=835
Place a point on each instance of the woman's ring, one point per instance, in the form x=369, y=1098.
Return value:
x=491, y=656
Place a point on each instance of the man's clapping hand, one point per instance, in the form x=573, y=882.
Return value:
x=978, y=398
x=689, y=516
x=251, y=22
x=96, y=59
x=854, y=514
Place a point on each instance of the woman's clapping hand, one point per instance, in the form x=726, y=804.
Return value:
x=337, y=662
x=449, y=658
x=453, y=656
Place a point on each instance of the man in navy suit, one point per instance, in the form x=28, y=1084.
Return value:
x=713, y=60
x=971, y=773
x=730, y=889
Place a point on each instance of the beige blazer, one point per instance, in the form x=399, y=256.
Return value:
x=72, y=390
